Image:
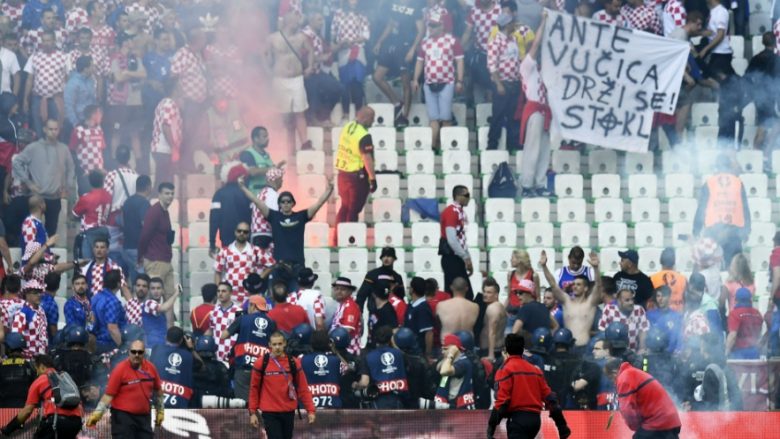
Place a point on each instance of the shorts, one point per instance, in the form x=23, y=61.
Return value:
x=290, y=94
x=392, y=57
x=439, y=104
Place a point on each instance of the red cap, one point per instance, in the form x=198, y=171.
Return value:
x=452, y=340
x=236, y=172
x=526, y=286
x=259, y=302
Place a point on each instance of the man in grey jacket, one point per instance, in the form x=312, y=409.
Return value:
x=46, y=168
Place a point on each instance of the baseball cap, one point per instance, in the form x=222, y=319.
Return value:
x=452, y=340
x=388, y=251
x=743, y=295
x=259, y=302
x=526, y=286
x=631, y=255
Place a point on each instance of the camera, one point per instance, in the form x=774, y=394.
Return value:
x=426, y=404
x=367, y=394
x=219, y=402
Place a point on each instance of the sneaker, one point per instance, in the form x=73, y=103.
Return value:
x=307, y=146
x=401, y=121
x=528, y=193
x=542, y=192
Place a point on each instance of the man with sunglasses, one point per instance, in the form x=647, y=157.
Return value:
x=133, y=387
x=455, y=258
x=236, y=261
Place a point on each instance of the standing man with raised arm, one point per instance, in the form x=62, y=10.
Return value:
x=355, y=166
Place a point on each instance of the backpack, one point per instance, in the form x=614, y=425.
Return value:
x=479, y=379
x=64, y=390
x=503, y=183
x=293, y=372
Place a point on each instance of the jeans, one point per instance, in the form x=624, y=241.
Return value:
x=504, y=108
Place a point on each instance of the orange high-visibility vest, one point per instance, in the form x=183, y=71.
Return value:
x=724, y=205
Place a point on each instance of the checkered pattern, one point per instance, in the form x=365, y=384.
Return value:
x=97, y=275
x=349, y=26
x=166, y=113
x=642, y=18
x=113, y=185
x=533, y=87
x=503, y=56
x=674, y=16
x=151, y=307
x=14, y=13
x=220, y=320
x=637, y=322
x=41, y=269
x=150, y=13
x=103, y=37
x=318, y=307
x=481, y=23
x=461, y=223
x=696, y=324
x=260, y=225
x=438, y=56
x=34, y=331
x=235, y=265
x=93, y=208
x=30, y=227
x=191, y=73
x=438, y=10
x=99, y=60
x=222, y=62
x=8, y=309
x=77, y=311
x=32, y=38
x=89, y=144
x=50, y=309
x=776, y=31
x=133, y=312
x=603, y=17
x=75, y=19
x=50, y=70
x=348, y=315
x=317, y=44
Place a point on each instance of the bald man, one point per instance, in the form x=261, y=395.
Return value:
x=458, y=313
x=355, y=165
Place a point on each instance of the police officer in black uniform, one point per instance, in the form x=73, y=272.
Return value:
x=421, y=376
x=658, y=362
x=616, y=335
x=74, y=358
x=561, y=365
x=384, y=274
x=340, y=339
x=541, y=345
x=16, y=373
x=212, y=379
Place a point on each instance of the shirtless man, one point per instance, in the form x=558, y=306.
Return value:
x=578, y=311
x=491, y=339
x=458, y=313
x=286, y=52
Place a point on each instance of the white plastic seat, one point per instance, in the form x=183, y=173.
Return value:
x=749, y=114
x=198, y=186
x=501, y=234
x=682, y=234
x=418, y=115
x=756, y=42
x=310, y=162
x=383, y=137
x=388, y=186
x=499, y=209
x=760, y=209
x=678, y=185
x=755, y=185
x=454, y=139
x=704, y=114
x=317, y=137
x=639, y=163
x=311, y=186
x=642, y=186
x=535, y=252
x=739, y=64
x=455, y=162
x=418, y=138
x=761, y=234
x=566, y=162
x=683, y=259
x=759, y=258
x=316, y=234
x=737, y=42
x=575, y=234
x=420, y=162
x=760, y=22
x=748, y=141
x=198, y=234
x=682, y=210
x=489, y=161
x=763, y=284
x=426, y=259
x=426, y=234
x=571, y=210
x=384, y=114
x=605, y=186
x=613, y=234
x=675, y=162
x=389, y=234
x=649, y=234
x=421, y=186
x=459, y=112
x=400, y=260
x=568, y=186
x=385, y=160
x=198, y=209
x=318, y=259
x=602, y=161
x=199, y=259
x=706, y=137
x=452, y=180
x=645, y=210
x=323, y=283
x=351, y=234
x=500, y=259
x=649, y=259
x=482, y=139
x=538, y=235
x=609, y=260
x=607, y=210
x=436, y=275
x=518, y=162
x=386, y=210
x=751, y=161
x=535, y=210
x=353, y=259
x=197, y=280
x=484, y=112
x=195, y=301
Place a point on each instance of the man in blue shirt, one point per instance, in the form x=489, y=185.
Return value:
x=666, y=318
x=80, y=91
x=34, y=9
x=49, y=306
x=133, y=212
x=419, y=317
x=109, y=314
x=77, y=310
x=157, y=63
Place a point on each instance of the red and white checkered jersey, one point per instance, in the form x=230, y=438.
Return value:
x=503, y=56
x=617, y=20
x=30, y=230
x=166, y=113
x=188, y=68
x=438, y=56
x=89, y=144
x=32, y=38
x=636, y=321
x=151, y=306
x=133, y=312
x=93, y=208
x=219, y=320
x=103, y=37
x=311, y=301
x=14, y=13
x=349, y=317
x=641, y=18
x=776, y=31
x=481, y=23
x=41, y=269
x=223, y=61
x=454, y=216
x=286, y=6
x=8, y=309
x=317, y=44
x=97, y=274
x=50, y=70
x=148, y=15
x=349, y=26
x=236, y=264
x=674, y=16
x=99, y=60
x=75, y=19
x=695, y=324
x=653, y=4
x=260, y=225
x=34, y=332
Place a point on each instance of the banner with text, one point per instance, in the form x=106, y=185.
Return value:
x=605, y=82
